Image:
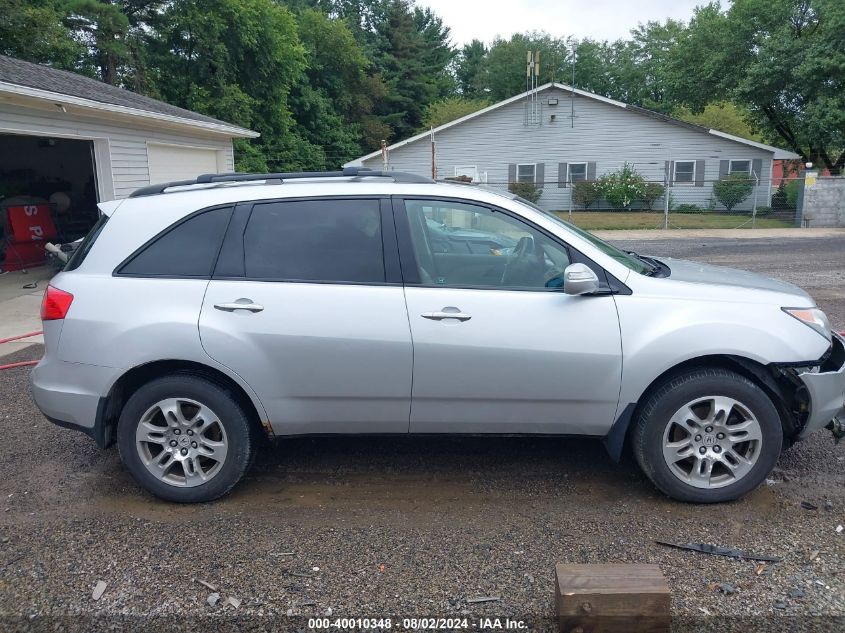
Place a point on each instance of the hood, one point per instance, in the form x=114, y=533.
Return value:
x=698, y=273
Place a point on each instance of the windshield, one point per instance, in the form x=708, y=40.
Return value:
x=629, y=261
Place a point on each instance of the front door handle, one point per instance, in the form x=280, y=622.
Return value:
x=439, y=316
x=240, y=304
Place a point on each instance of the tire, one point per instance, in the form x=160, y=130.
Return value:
x=194, y=429
x=738, y=453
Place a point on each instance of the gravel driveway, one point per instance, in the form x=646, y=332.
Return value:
x=397, y=528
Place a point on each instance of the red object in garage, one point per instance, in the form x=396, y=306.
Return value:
x=27, y=227
x=29, y=223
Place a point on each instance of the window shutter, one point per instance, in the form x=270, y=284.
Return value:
x=540, y=174
x=699, y=173
x=724, y=167
x=591, y=171
x=512, y=172
x=757, y=168
x=562, y=173
x=668, y=167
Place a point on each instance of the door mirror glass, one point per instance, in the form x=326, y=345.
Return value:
x=579, y=279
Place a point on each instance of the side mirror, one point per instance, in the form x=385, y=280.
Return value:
x=579, y=279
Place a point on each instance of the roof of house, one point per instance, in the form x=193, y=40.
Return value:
x=63, y=87
x=778, y=152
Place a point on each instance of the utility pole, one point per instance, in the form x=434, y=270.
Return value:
x=433, y=156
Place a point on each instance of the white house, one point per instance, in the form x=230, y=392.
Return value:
x=64, y=133
x=557, y=135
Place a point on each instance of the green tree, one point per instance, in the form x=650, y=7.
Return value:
x=449, y=109
x=33, y=30
x=783, y=59
x=732, y=190
x=469, y=69
x=723, y=116
x=504, y=66
x=237, y=60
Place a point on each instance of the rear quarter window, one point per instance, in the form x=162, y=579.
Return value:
x=79, y=255
x=187, y=249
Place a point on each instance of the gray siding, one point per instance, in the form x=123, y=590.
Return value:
x=602, y=133
x=126, y=142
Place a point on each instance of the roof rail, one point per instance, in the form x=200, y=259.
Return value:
x=279, y=178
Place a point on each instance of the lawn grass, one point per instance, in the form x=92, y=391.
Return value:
x=608, y=220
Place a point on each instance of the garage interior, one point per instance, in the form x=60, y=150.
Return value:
x=58, y=172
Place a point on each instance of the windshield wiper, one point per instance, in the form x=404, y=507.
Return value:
x=652, y=265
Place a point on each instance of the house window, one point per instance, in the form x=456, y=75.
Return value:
x=739, y=167
x=526, y=172
x=684, y=172
x=577, y=172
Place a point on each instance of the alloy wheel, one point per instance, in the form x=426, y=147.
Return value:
x=181, y=442
x=712, y=442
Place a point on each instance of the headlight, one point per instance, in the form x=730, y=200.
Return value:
x=813, y=317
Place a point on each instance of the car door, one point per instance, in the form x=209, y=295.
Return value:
x=498, y=346
x=306, y=304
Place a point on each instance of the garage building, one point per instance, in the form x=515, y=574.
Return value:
x=70, y=141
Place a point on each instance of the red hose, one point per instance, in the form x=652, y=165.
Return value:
x=20, y=336
x=25, y=363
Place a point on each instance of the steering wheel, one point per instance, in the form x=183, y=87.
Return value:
x=525, y=263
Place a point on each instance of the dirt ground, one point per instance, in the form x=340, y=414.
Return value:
x=413, y=527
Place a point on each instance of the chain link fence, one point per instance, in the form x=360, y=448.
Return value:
x=735, y=201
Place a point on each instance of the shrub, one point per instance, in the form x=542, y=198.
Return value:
x=585, y=192
x=764, y=210
x=527, y=190
x=622, y=188
x=689, y=208
x=732, y=190
x=651, y=192
x=779, y=198
x=792, y=188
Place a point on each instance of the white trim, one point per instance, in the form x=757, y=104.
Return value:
x=694, y=168
x=778, y=153
x=118, y=110
x=569, y=170
x=533, y=180
x=731, y=161
x=465, y=168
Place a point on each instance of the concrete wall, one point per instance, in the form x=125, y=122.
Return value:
x=824, y=202
x=599, y=133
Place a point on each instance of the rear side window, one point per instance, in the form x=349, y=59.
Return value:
x=315, y=240
x=189, y=249
x=79, y=255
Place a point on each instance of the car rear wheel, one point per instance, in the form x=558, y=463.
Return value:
x=185, y=438
x=707, y=436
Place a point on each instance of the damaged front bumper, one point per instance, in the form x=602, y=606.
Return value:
x=826, y=390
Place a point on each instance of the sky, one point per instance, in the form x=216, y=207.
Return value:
x=597, y=19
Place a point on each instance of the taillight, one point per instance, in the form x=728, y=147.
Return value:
x=55, y=304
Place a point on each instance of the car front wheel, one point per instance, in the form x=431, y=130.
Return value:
x=707, y=436
x=185, y=438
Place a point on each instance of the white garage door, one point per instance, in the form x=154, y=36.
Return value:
x=170, y=162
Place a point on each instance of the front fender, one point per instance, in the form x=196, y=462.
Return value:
x=659, y=334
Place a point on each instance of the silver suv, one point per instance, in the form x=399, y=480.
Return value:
x=199, y=316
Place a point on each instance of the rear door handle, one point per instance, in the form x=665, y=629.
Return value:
x=240, y=304
x=439, y=316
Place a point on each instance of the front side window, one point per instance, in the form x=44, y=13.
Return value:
x=577, y=172
x=336, y=241
x=740, y=167
x=526, y=172
x=189, y=249
x=685, y=171
x=464, y=245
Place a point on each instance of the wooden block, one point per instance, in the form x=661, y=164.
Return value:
x=611, y=599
